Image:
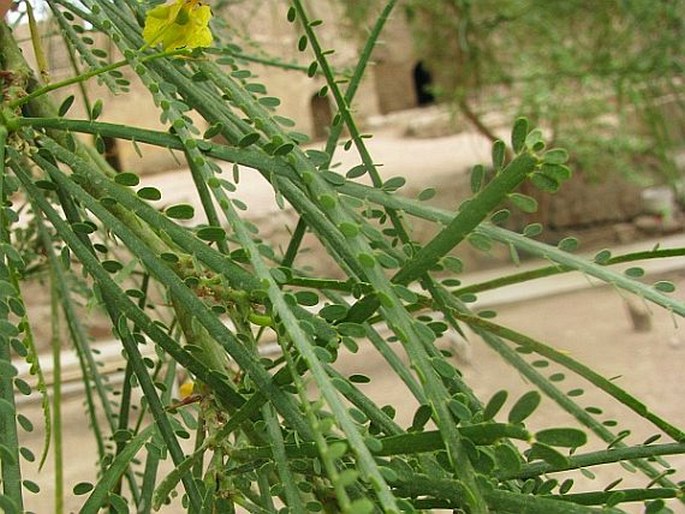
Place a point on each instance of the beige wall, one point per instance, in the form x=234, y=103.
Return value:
x=262, y=29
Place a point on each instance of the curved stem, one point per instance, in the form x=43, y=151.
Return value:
x=88, y=75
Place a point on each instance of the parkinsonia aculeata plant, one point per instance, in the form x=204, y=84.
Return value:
x=288, y=433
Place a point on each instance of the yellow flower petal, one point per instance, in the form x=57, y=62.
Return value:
x=181, y=24
x=186, y=389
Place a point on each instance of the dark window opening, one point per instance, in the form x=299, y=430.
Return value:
x=322, y=116
x=423, y=82
x=112, y=152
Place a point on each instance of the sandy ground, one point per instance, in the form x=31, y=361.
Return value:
x=592, y=325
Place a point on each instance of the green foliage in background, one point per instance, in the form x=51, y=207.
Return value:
x=200, y=293
x=604, y=77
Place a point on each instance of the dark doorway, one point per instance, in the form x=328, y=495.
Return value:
x=322, y=116
x=112, y=152
x=423, y=82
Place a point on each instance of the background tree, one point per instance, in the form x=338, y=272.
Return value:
x=604, y=77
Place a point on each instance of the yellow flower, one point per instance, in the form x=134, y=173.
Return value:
x=181, y=24
x=187, y=388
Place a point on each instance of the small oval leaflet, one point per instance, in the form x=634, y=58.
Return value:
x=356, y=171
x=317, y=157
x=308, y=298
x=477, y=178
x=500, y=216
x=373, y=444
x=112, y=266
x=66, y=104
x=100, y=145
x=568, y=244
x=27, y=454
x=83, y=227
x=548, y=454
x=19, y=347
x=443, y=368
x=665, y=286
x=405, y=293
x=25, y=423
x=213, y=130
x=149, y=193
x=248, y=139
x=453, y=264
x=495, y=404
x=547, y=487
x=358, y=378
x=182, y=211
x=31, y=486
x=564, y=437
x=480, y=242
x=312, y=69
x=211, y=234
x=269, y=101
x=327, y=201
x=333, y=312
x=22, y=386
x=555, y=156
x=121, y=436
x=421, y=417
x=566, y=486
x=97, y=109
x=558, y=172
x=518, y=134
x=634, y=272
x=459, y=410
x=603, y=257
x=349, y=229
x=127, y=178
x=534, y=140
x=366, y=260
x=426, y=194
x=351, y=329
x=524, y=407
x=292, y=14
x=498, y=153
x=394, y=183
x=82, y=488
x=526, y=203
x=508, y=460
x=169, y=257
x=533, y=230
x=241, y=74
x=302, y=43
x=545, y=182
x=620, y=437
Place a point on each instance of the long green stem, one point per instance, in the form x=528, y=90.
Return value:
x=598, y=458
x=469, y=217
x=582, y=370
x=10, y=469
x=548, y=271
x=56, y=343
x=87, y=76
